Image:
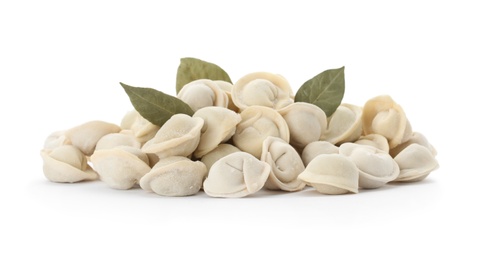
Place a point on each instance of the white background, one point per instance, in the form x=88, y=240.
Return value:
x=60, y=64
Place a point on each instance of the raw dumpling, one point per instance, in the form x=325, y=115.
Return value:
x=236, y=175
x=179, y=136
x=227, y=88
x=117, y=139
x=142, y=129
x=331, y=174
x=175, y=176
x=344, y=125
x=416, y=163
x=55, y=140
x=381, y=115
x=262, y=89
x=219, y=126
x=285, y=164
x=314, y=149
x=305, y=121
x=203, y=93
x=257, y=124
x=120, y=167
x=375, y=140
x=216, y=154
x=415, y=138
x=376, y=167
x=86, y=136
x=66, y=163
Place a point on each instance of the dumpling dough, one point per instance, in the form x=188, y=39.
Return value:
x=376, y=167
x=55, y=140
x=262, y=89
x=331, y=174
x=219, y=126
x=257, y=124
x=120, y=167
x=305, y=121
x=66, y=163
x=117, y=139
x=86, y=136
x=285, y=164
x=221, y=151
x=375, y=140
x=314, y=149
x=227, y=88
x=381, y=115
x=203, y=93
x=416, y=163
x=179, y=136
x=344, y=125
x=415, y=138
x=142, y=129
x=175, y=176
x=236, y=175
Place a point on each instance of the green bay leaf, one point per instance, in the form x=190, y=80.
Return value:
x=191, y=69
x=155, y=106
x=325, y=90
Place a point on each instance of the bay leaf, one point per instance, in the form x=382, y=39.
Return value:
x=191, y=69
x=325, y=90
x=155, y=106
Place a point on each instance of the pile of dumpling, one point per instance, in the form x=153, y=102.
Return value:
x=244, y=137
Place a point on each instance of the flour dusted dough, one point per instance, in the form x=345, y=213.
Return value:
x=175, y=176
x=236, y=175
x=120, y=167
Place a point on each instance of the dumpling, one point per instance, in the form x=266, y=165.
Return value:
x=285, y=164
x=222, y=150
x=305, y=121
x=236, y=175
x=86, y=136
x=381, y=115
x=314, y=149
x=257, y=124
x=66, y=163
x=219, y=126
x=262, y=89
x=120, y=167
x=344, y=125
x=331, y=174
x=376, y=167
x=117, y=139
x=416, y=163
x=179, y=136
x=415, y=138
x=55, y=140
x=203, y=93
x=143, y=130
x=175, y=176
x=375, y=140
x=227, y=88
